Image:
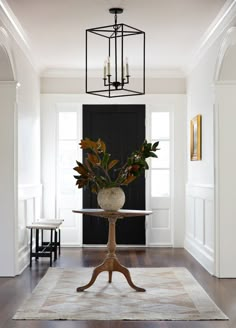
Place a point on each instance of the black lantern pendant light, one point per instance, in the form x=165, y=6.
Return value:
x=123, y=58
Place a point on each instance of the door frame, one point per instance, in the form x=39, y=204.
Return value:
x=78, y=225
x=109, y=114
x=178, y=103
x=152, y=109
x=148, y=203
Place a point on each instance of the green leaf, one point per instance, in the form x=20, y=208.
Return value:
x=154, y=146
x=151, y=154
x=105, y=160
x=129, y=161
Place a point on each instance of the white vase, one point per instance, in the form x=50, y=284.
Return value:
x=111, y=199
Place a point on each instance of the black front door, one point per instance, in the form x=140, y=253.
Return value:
x=122, y=127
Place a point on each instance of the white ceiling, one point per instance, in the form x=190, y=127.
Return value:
x=55, y=29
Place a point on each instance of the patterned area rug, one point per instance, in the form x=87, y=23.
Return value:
x=171, y=294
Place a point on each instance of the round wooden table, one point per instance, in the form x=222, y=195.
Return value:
x=111, y=262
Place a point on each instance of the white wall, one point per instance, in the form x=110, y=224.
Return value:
x=200, y=220
x=28, y=107
x=69, y=85
x=26, y=132
x=201, y=209
x=201, y=101
x=49, y=105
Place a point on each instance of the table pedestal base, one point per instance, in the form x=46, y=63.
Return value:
x=110, y=264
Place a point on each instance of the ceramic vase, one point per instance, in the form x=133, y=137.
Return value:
x=111, y=199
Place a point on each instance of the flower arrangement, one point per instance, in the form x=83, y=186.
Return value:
x=99, y=172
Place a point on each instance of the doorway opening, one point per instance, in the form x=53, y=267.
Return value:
x=122, y=127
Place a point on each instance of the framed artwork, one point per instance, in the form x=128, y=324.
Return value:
x=195, y=138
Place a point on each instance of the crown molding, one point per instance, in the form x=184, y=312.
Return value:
x=217, y=27
x=14, y=27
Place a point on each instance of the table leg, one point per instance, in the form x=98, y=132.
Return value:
x=55, y=244
x=36, y=244
x=111, y=262
x=96, y=271
x=31, y=246
x=122, y=269
x=110, y=276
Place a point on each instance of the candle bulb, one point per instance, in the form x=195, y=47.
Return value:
x=108, y=66
x=105, y=70
x=127, y=67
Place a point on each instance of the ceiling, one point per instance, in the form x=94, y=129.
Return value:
x=55, y=29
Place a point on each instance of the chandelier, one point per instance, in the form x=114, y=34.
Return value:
x=122, y=50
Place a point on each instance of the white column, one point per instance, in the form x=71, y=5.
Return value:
x=8, y=179
x=225, y=164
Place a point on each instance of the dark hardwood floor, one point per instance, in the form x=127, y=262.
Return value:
x=13, y=291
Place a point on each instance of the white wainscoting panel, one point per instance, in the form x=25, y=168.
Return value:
x=160, y=227
x=29, y=204
x=200, y=224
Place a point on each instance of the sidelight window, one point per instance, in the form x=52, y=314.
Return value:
x=67, y=152
x=160, y=168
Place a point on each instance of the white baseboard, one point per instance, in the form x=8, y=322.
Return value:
x=23, y=259
x=201, y=254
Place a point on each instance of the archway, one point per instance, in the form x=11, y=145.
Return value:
x=225, y=66
x=8, y=155
x=6, y=72
x=7, y=65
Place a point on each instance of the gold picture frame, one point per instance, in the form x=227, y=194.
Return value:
x=195, y=138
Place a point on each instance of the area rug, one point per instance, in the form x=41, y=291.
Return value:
x=171, y=294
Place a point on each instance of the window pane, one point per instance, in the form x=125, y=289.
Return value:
x=67, y=125
x=160, y=125
x=67, y=154
x=66, y=181
x=160, y=183
x=163, y=160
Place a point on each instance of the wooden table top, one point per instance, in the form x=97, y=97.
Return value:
x=123, y=213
